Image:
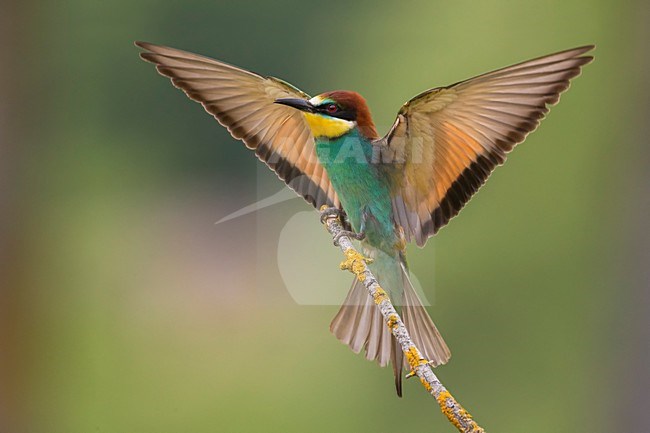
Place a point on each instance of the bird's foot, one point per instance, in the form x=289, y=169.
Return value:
x=350, y=234
x=329, y=212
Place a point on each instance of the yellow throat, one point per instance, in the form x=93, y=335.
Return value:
x=327, y=127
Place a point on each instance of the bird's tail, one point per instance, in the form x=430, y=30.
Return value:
x=359, y=323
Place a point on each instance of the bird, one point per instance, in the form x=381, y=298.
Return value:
x=393, y=189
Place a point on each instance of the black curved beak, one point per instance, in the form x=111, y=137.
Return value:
x=297, y=103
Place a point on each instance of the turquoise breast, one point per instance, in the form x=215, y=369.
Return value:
x=360, y=186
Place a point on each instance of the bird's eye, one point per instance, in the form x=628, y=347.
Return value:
x=332, y=108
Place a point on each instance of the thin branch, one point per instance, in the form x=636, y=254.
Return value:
x=356, y=263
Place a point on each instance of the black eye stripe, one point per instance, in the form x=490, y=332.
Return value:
x=339, y=112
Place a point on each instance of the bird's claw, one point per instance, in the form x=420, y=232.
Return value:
x=358, y=236
x=329, y=212
x=334, y=212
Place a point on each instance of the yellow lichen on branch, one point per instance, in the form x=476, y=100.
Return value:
x=380, y=295
x=454, y=411
x=413, y=357
x=355, y=263
x=392, y=321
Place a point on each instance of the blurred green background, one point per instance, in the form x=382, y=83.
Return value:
x=123, y=308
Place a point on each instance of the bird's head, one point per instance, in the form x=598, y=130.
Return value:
x=333, y=114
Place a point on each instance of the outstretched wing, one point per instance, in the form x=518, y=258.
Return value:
x=446, y=141
x=243, y=102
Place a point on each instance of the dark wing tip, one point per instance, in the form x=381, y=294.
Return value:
x=584, y=49
x=578, y=54
x=153, y=49
x=571, y=52
x=146, y=45
x=149, y=55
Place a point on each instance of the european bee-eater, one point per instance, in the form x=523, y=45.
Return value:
x=404, y=186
